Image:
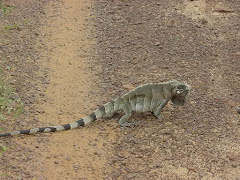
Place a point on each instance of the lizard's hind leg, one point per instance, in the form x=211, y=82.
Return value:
x=128, y=113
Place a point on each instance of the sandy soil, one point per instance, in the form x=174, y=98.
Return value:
x=71, y=94
x=75, y=55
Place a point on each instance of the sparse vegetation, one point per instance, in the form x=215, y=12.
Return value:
x=14, y=26
x=4, y=8
x=3, y=148
x=10, y=102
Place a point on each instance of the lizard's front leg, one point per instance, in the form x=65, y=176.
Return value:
x=159, y=108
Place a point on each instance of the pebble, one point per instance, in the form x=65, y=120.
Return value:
x=168, y=124
x=234, y=157
x=68, y=158
x=131, y=175
x=76, y=167
x=40, y=111
x=60, y=112
x=234, y=164
x=56, y=162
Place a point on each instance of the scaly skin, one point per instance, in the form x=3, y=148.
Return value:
x=148, y=97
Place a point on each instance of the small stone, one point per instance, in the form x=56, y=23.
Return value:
x=170, y=23
x=56, y=162
x=159, y=165
x=234, y=164
x=76, y=167
x=60, y=112
x=40, y=111
x=41, y=169
x=168, y=124
x=204, y=21
x=68, y=158
x=233, y=157
x=166, y=131
x=237, y=53
x=131, y=175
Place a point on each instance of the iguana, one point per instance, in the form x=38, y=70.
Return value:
x=148, y=97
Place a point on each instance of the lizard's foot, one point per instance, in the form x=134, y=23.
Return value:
x=126, y=125
x=159, y=116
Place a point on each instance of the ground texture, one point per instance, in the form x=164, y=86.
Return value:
x=68, y=57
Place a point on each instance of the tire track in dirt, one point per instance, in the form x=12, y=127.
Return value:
x=71, y=95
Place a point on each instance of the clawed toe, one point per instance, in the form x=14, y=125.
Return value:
x=126, y=125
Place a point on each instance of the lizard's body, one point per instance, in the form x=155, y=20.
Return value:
x=148, y=97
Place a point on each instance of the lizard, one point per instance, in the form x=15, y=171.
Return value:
x=147, y=97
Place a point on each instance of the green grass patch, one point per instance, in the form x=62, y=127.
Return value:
x=11, y=105
x=3, y=149
x=14, y=26
x=11, y=26
x=5, y=8
x=10, y=102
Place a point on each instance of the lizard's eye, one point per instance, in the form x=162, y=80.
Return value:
x=178, y=92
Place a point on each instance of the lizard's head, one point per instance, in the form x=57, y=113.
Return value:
x=180, y=93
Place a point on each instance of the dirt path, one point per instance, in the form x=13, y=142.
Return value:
x=71, y=94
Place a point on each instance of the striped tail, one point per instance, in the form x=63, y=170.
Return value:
x=47, y=129
x=107, y=109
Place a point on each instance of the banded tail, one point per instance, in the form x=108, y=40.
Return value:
x=107, y=110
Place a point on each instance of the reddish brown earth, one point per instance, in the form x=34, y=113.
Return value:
x=70, y=56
